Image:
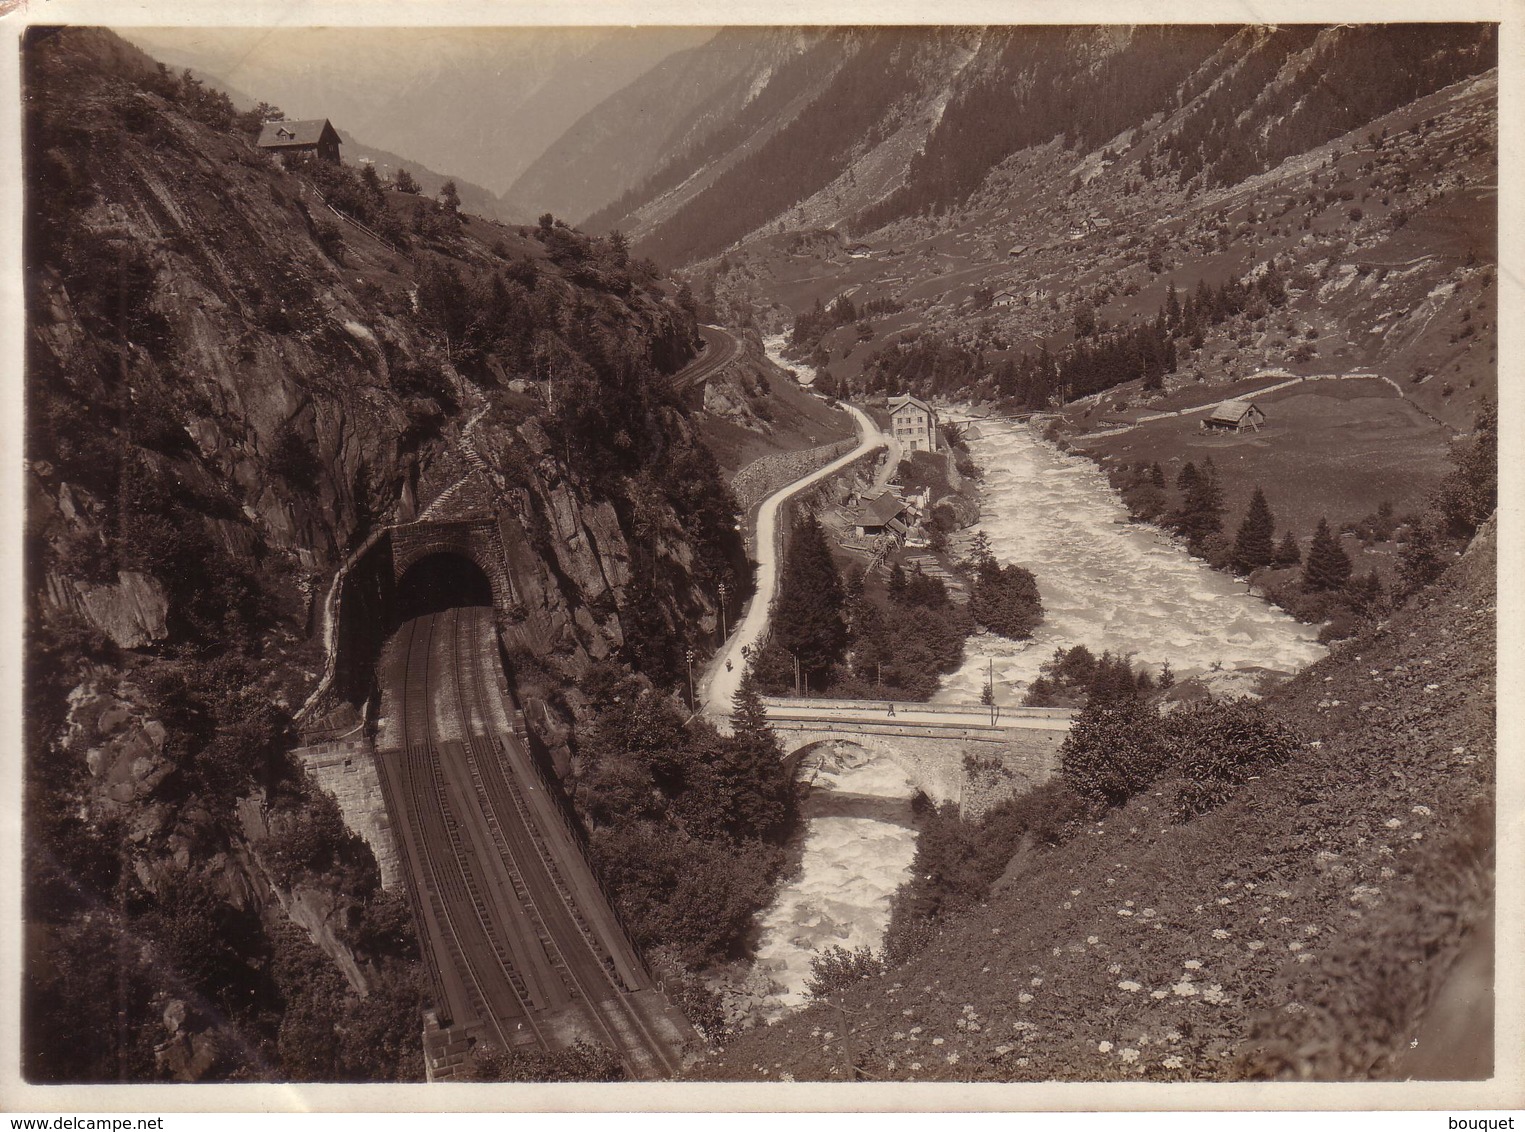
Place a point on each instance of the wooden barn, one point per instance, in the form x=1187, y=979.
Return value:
x=1234, y=416
x=315, y=136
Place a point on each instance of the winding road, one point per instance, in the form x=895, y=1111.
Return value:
x=719, y=683
x=720, y=350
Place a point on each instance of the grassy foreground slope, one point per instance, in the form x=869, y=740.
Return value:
x=1298, y=931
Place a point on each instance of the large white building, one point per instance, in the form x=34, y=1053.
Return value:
x=914, y=423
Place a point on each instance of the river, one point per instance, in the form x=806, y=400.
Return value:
x=1107, y=584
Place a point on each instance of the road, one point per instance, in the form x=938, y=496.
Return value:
x=719, y=684
x=852, y=712
x=521, y=946
x=720, y=350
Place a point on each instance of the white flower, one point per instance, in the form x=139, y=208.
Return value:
x=1127, y=904
x=1193, y=964
x=1305, y=957
x=1037, y=982
x=1173, y=1036
x=1129, y=985
x=1092, y=940
x=1422, y=811
x=1432, y=687
x=1125, y=911
x=915, y=1065
x=1147, y=912
x=1074, y=892
x=1024, y=997
x=1171, y=1063
x=1392, y=823
x=1128, y=1054
x=1416, y=836
x=1159, y=994
x=953, y=1058
x=1224, y=900
x=937, y=1041
x=1104, y=1047
x=1184, y=989
x=1295, y=945
x=1022, y=1061
x=1213, y=994
x=1219, y=933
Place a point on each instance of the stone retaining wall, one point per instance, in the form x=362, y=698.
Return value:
x=765, y=475
x=346, y=769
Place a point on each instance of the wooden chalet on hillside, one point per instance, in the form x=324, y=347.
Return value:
x=314, y=136
x=1234, y=416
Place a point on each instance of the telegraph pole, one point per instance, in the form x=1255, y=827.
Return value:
x=724, y=632
x=689, y=655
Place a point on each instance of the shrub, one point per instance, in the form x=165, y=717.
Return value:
x=837, y=969
x=1113, y=750
x=1218, y=746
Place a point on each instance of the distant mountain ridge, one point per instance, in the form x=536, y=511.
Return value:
x=868, y=126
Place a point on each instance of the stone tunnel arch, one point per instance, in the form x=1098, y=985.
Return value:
x=938, y=787
x=439, y=581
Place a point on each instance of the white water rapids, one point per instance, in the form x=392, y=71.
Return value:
x=1106, y=584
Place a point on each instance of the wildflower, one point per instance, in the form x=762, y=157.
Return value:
x=1003, y=1050
x=1422, y=811
x=1432, y=687
x=908, y=1012
x=1311, y=929
x=1184, y=988
x=915, y=1029
x=1392, y=823
x=786, y=1076
x=1416, y=836
x=953, y=1058
x=1037, y=982
x=1022, y=1061
x=974, y=1027
x=1115, y=969
x=1171, y=1063
x=1074, y=892
x=1305, y=957
x=828, y=1035
x=1173, y=1036
x=898, y=1036
x=915, y=1065
x=1224, y=900
x=1129, y=985
x=1127, y=904
x=1147, y=913
x=1295, y=945
x=1125, y=911
x=1066, y=905
x=1219, y=933
x=1159, y=994
x=1092, y=940
x=1128, y=1054
x=937, y=1041
x=1193, y=964
x=1213, y=994
x=1104, y=1047
x=1024, y=997
x=1284, y=895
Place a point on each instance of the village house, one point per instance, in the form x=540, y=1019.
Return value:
x=1234, y=416
x=314, y=136
x=914, y=423
x=885, y=513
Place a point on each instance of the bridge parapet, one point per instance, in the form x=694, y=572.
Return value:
x=951, y=752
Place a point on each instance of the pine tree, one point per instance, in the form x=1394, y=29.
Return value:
x=1157, y=476
x=1420, y=562
x=1328, y=566
x=1287, y=553
x=808, y=618
x=1252, y=545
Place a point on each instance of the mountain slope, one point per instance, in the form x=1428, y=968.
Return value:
x=670, y=109
x=229, y=389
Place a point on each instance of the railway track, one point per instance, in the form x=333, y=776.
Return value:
x=519, y=938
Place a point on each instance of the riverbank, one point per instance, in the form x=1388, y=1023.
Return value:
x=1109, y=584
x=1298, y=931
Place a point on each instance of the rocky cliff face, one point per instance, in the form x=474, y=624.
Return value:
x=231, y=386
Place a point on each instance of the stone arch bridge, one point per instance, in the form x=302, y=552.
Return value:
x=969, y=754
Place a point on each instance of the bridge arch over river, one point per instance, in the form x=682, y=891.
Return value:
x=967, y=754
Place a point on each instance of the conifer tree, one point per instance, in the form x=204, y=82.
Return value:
x=1157, y=476
x=761, y=793
x=1328, y=566
x=1287, y=552
x=807, y=620
x=1420, y=562
x=1252, y=545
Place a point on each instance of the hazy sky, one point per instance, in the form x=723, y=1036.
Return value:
x=480, y=103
